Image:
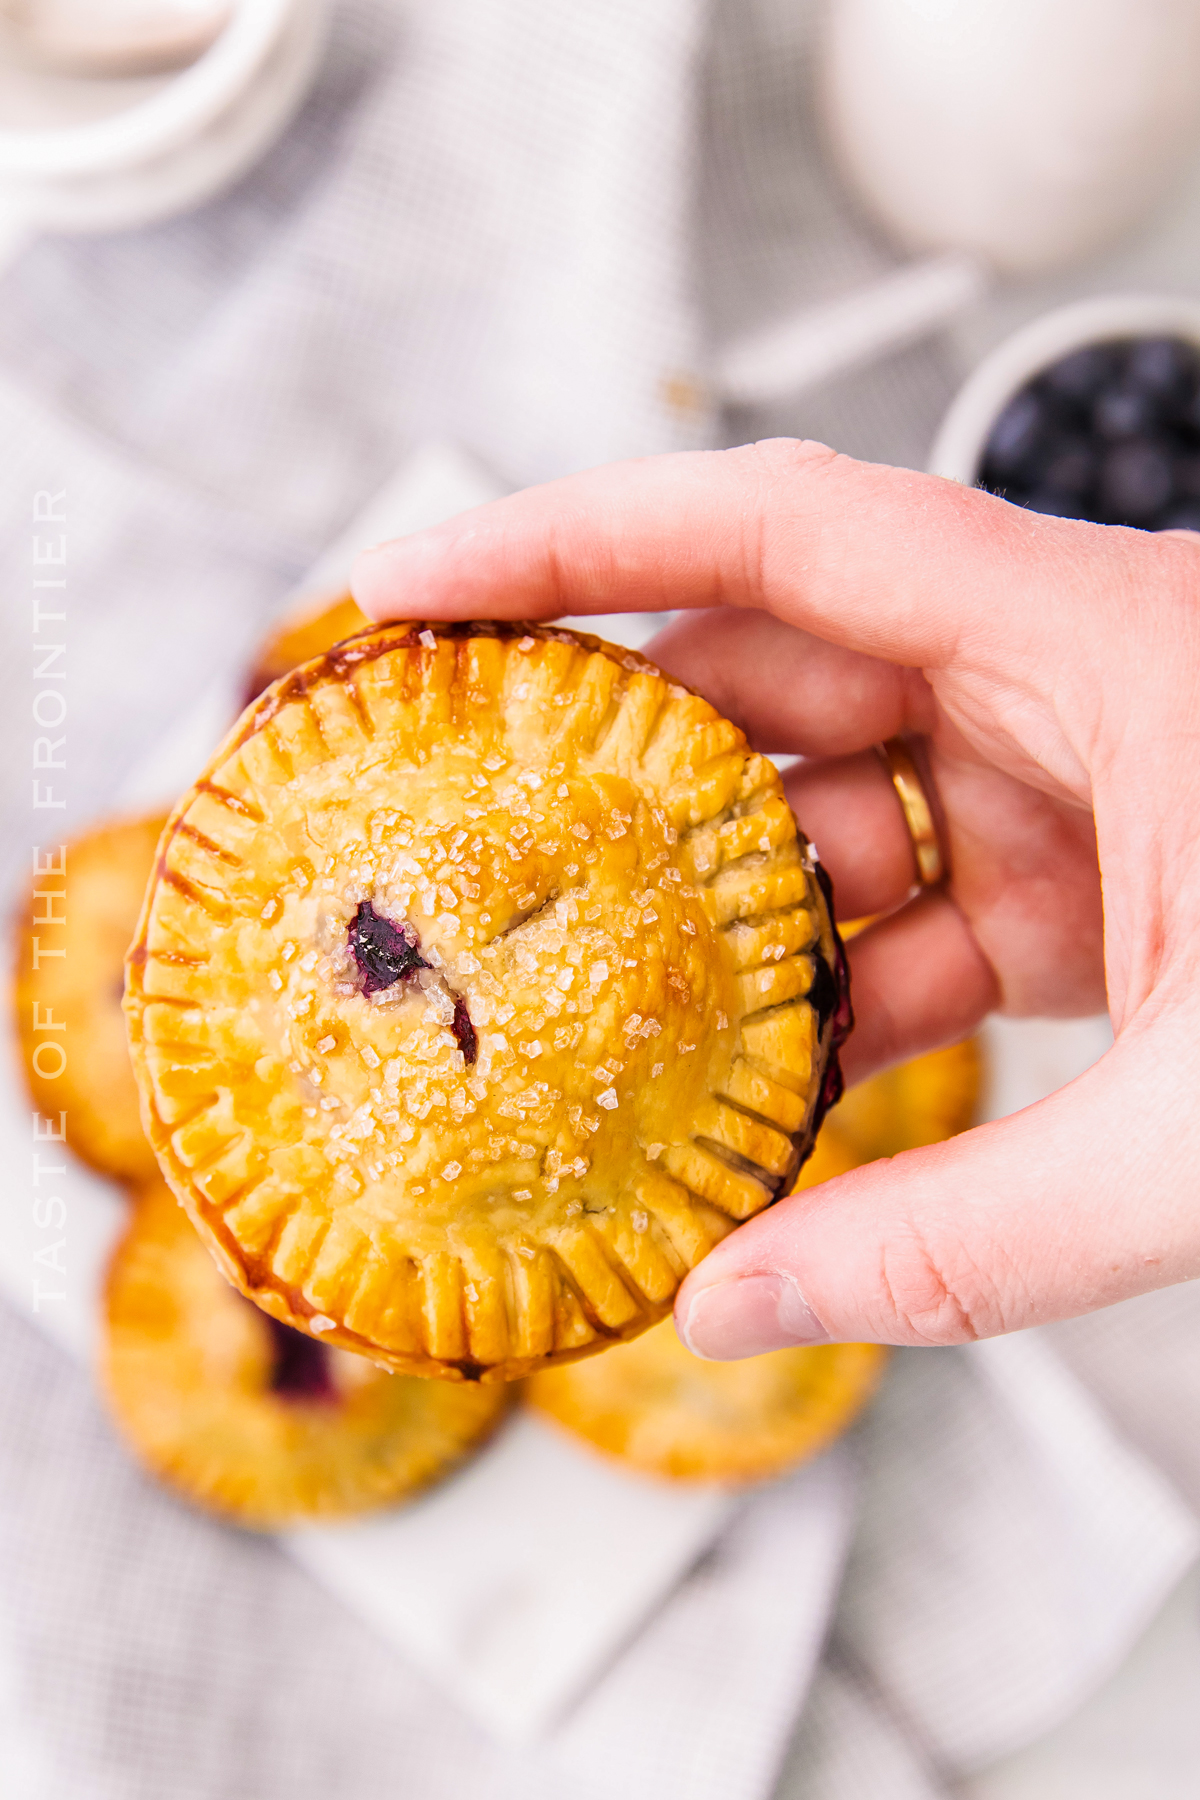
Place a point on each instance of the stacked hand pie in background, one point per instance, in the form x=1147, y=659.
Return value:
x=251, y=1418
x=269, y=1425
x=70, y=979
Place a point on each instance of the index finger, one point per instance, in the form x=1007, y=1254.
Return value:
x=911, y=568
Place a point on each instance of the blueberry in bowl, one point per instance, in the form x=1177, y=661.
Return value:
x=1108, y=432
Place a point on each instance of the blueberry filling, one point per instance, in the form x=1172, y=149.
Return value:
x=822, y=995
x=830, y=995
x=1109, y=433
x=464, y=1032
x=842, y=1011
x=301, y=1368
x=832, y=1089
x=383, y=953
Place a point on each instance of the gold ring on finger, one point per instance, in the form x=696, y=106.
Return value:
x=917, y=807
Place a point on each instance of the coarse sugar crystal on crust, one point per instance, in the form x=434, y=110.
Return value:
x=655, y=1405
x=72, y=937
x=247, y=1418
x=486, y=983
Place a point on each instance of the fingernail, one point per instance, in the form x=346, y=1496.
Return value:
x=747, y=1317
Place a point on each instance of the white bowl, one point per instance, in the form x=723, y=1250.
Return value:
x=175, y=111
x=188, y=171
x=960, y=443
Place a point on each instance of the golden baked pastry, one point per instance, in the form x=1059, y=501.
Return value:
x=919, y=1102
x=302, y=636
x=486, y=983
x=655, y=1405
x=77, y=927
x=250, y=1419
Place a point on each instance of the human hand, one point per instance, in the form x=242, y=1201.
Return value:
x=1054, y=668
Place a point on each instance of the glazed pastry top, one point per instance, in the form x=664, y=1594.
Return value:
x=485, y=984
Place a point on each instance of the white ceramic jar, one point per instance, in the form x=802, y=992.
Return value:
x=1027, y=132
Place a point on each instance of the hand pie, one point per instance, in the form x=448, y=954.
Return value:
x=485, y=984
x=69, y=1021
x=655, y=1405
x=252, y=1420
x=302, y=636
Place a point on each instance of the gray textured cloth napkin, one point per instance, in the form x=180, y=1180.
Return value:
x=516, y=228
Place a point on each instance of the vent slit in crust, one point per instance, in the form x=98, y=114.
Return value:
x=383, y=953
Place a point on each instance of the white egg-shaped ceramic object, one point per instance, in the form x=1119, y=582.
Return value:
x=1028, y=132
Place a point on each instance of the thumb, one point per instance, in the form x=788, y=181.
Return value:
x=1074, y=1203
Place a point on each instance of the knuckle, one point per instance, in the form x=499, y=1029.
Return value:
x=777, y=465
x=770, y=472
x=936, y=1296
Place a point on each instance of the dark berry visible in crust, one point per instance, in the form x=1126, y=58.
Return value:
x=383, y=953
x=465, y=1035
